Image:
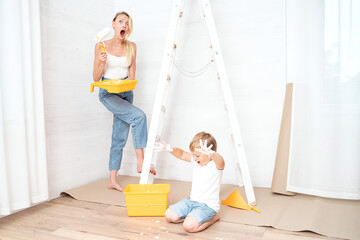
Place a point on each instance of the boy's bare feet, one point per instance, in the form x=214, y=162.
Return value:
x=115, y=185
x=191, y=225
x=215, y=218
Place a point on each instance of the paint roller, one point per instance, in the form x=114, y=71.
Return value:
x=101, y=35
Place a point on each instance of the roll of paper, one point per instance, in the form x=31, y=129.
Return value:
x=102, y=34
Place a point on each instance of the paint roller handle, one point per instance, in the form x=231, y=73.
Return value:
x=102, y=45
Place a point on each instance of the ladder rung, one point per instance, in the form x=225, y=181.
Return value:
x=233, y=137
x=163, y=108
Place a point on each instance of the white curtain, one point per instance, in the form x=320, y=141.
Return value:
x=323, y=62
x=23, y=170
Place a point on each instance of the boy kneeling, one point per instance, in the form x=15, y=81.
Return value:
x=198, y=211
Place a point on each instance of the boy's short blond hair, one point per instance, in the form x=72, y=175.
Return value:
x=195, y=142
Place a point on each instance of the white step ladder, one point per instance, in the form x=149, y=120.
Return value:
x=162, y=91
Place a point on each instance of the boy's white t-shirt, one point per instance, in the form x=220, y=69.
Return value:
x=206, y=184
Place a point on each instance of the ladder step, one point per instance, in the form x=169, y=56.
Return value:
x=163, y=108
x=237, y=164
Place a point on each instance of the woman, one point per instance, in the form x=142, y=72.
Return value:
x=119, y=62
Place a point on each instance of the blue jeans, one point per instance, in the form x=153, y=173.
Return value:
x=198, y=211
x=125, y=114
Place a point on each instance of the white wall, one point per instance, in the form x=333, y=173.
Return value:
x=251, y=34
x=78, y=128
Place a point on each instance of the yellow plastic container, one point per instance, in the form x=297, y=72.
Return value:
x=146, y=199
x=114, y=85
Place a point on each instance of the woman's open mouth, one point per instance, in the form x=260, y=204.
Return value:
x=122, y=33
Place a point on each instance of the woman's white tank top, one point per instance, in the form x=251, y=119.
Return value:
x=116, y=67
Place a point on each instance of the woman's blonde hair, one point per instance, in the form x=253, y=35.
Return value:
x=129, y=49
x=195, y=142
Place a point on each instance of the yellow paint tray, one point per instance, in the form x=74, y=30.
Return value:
x=146, y=199
x=114, y=85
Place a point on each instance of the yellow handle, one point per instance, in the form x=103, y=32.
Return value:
x=92, y=87
x=255, y=209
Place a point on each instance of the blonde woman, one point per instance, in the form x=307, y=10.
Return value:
x=119, y=62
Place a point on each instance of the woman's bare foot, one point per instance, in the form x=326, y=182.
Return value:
x=152, y=171
x=140, y=159
x=115, y=185
x=139, y=168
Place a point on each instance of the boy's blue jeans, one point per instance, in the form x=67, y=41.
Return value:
x=125, y=114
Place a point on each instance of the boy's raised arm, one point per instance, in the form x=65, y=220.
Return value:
x=176, y=152
x=218, y=160
x=181, y=154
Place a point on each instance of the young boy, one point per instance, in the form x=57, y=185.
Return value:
x=198, y=211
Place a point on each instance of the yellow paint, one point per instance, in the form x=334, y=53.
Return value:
x=114, y=85
x=146, y=199
x=236, y=200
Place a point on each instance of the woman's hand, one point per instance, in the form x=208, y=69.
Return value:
x=100, y=58
x=103, y=57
